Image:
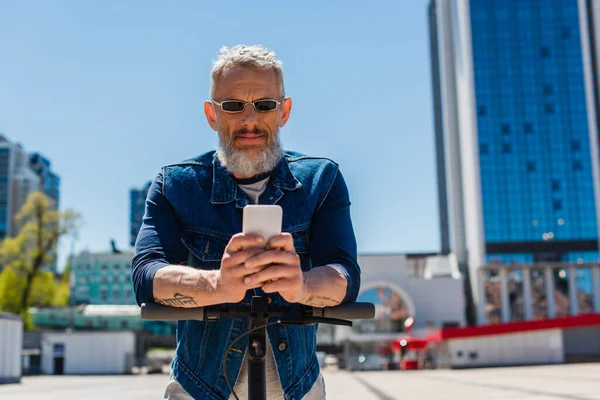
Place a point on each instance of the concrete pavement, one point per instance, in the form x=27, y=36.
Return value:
x=571, y=382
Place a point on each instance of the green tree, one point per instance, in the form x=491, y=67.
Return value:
x=61, y=294
x=24, y=282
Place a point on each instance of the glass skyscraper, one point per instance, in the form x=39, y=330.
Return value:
x=49, y=181
x=20, y=174
x=516, y=107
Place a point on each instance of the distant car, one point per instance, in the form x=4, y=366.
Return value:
x=366, y=362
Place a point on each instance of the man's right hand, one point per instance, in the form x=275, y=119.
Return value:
x=230, y=286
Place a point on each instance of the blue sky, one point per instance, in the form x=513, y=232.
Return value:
x=111, y=91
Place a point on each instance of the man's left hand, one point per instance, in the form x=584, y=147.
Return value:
x=281, y=269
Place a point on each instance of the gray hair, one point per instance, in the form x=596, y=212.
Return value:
x=256, y=57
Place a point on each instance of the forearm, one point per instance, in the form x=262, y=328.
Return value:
x=182, y=286
x=325, y=287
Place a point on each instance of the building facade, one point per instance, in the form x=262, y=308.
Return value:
x=428, y=288
x=101, y=278
x=101, y=297
x=49, y=181
x=21, y=174
x=515, y=106
x=17, y=180
x=137, y=204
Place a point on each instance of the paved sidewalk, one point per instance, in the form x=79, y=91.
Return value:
x=571, y=382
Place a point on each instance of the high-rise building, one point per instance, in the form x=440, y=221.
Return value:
x=50, y=182
x=516, y=120
x=137, y=204
x=21, y=174
x=17, y=180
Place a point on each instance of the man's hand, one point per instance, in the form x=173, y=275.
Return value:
x=230, y=285
x=277, y=269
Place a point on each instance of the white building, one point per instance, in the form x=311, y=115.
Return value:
x=427, y=288
x=87, y=353
x=11, y=341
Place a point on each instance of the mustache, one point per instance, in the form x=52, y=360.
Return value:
x=255, y=131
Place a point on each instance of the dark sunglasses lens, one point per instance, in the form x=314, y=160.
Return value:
x=233, y=106
x=265, y=105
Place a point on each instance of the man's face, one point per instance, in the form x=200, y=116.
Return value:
x=249, y=140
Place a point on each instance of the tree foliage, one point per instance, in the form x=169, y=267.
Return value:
x=24, y=282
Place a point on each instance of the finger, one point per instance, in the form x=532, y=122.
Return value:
x=243, y=271
x=274, y=272
x=240, y=257
x=283, y=241
x=273, y=257
x=240, y=241
x=280, y=285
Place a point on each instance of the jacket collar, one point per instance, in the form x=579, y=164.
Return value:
x=224, y=188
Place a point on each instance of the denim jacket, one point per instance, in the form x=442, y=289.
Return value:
x=192, y=210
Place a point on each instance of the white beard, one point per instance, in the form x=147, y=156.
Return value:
x=238, y=161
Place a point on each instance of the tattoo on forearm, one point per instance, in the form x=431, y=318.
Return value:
x=178, y=300
x=320, y=301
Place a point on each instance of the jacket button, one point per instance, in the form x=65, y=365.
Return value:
x=281, y=346
x=269, y=300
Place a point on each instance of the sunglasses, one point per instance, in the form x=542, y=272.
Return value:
x=237, y=106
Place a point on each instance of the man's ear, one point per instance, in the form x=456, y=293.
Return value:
x=286, y=109
x=209, y=111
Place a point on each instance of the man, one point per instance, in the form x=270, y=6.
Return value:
x=190, y=252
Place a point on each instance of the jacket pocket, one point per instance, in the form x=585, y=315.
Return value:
x=206, y=251
x=302, y=246
x=301, y=241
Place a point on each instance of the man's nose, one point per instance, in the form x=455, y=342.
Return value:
x=249, y=115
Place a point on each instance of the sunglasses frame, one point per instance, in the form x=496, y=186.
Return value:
x=220, y=104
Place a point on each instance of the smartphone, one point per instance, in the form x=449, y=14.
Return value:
x=265, y=220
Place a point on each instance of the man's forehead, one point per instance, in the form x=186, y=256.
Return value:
x=237, y=79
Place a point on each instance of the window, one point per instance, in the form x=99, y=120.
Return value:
x=566, y=32
x=577, y=165
x=548, y=89
x=575, y=145
x=484, y=148
x=530, y=166
x=549, y=108
x=505, y=129
x=481, y=111
x=506, y=148
x=557, y=204
x=528, y=127
x=555, y=185
x=117, y=267
x=545, y=52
